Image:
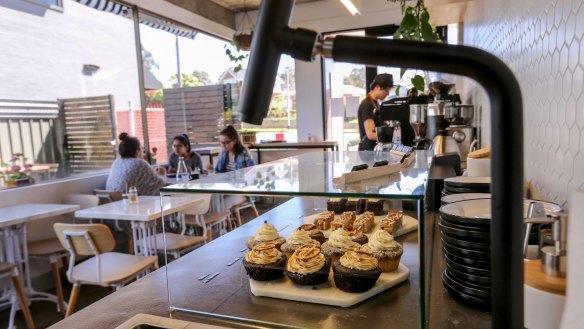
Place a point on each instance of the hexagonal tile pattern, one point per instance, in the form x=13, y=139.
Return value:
x=543, y=43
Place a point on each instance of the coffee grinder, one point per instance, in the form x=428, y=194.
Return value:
x=460, y=119
x=418, y=113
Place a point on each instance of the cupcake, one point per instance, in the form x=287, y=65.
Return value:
x=339, y=241
x=356, y=271
x=307, y=266
x=297, y=239
x=385, y=249
x=314, y=232
x=266, y=233
x=264, y=262
x=358, y=236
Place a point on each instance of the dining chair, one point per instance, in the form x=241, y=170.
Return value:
x=106, y=196
x=51, y=249
x=201, y=216
x=9, y=269
x=243, y=205
x=105, y=268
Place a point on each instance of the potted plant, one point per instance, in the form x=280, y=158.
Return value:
x=17, y=175
x=241, y=41
x=415, y=25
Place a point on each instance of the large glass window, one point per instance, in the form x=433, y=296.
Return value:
x=64, y=74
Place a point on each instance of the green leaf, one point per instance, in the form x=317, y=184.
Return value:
x=397, y=90
x=402, y=71
x=418, y=82
x=428, y=33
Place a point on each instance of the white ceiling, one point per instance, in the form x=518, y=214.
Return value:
x=242, y=5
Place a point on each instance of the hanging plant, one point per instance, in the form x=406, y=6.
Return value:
x=241, y=41
x=415, y=26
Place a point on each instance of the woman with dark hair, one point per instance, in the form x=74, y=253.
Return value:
x=181, y=146
x=132, y=170
x=368, y=113
x=234, y=155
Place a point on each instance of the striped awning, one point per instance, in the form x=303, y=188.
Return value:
x=146, y=19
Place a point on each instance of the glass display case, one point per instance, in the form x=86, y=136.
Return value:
x=212, y=281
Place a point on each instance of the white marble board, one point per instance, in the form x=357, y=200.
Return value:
x=326, y=293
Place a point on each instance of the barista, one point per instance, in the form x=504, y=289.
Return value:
x=368, y=113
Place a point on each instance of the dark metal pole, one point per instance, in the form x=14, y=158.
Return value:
x=506, y=124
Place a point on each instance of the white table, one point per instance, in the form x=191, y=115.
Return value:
x=142, y=215
x=13, y=241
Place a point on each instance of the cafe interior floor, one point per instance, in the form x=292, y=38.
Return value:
x=45, y=313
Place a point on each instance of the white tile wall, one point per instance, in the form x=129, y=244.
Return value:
x=543, y=43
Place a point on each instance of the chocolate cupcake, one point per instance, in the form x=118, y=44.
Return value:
x=297, y=239
x=307, y=266
x=314, y=232
x=337, y=205
x=356, y=271
x=339, y=241
x=266, y=233
x=264, y=262
x=358, y=236
x=385, y=249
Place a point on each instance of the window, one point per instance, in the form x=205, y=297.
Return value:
x=52, y=4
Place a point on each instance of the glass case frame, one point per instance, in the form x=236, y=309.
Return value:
x=311, y=175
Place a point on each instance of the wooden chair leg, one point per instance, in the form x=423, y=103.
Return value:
x=58, y=286
x=73, y=299
x=209, y=233
x=23, y=301
x=255, y=210
x=130, y=246
x=229, y=226
x=237, y=216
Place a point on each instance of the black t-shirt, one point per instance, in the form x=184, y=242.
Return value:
x=366, y=111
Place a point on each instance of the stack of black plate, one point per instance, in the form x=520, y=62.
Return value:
x=465, y=232
x=464, y=184
x=466, y=248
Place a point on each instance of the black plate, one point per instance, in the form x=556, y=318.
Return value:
x=463, y=252
x=451, y=189
x=473, y=245
x=480, y=264
x=474, y=281
x=466, y=234
x=465, y=268
x=465, y=287
x=480, y=303
x=468, y=182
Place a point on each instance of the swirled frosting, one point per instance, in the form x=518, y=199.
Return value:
x=305, y=260
x=358, y=260
x=301, y=238
x=266, y=233
x=341, y=239
x=263, y=253
x=382, y=241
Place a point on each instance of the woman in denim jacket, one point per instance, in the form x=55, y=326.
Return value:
x=234, y=155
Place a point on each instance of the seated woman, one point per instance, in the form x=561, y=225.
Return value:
x=182, y=148
x=132, y=170
x=234, y=156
